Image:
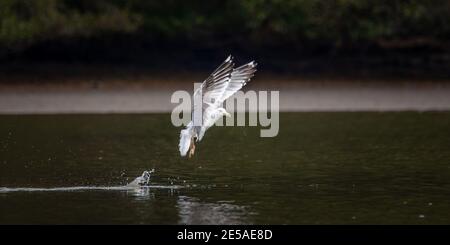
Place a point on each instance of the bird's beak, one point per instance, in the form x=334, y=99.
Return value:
x=227, y=114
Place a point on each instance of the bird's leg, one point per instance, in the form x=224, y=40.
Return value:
x=192, y=148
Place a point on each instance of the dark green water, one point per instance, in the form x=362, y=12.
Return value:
x=322, y=168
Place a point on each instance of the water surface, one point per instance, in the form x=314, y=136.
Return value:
x=323, y=168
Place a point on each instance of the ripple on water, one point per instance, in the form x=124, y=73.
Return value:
x=82, y=188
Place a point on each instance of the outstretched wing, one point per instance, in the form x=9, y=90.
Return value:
x=239, y=77
x=210, y=93
x=219, y=86
x=215, y=85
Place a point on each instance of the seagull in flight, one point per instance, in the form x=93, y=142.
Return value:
x=219, y=86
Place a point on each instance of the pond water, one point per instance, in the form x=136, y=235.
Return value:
x=322, y=168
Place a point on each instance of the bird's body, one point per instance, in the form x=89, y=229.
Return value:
x=219, y=86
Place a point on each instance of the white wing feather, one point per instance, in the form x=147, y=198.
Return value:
x=215, y=85
x=185, y=141
x=239, y=77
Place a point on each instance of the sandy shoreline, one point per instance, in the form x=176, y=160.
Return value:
x=141, y=97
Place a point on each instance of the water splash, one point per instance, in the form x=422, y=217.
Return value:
x=141, y=182
x=81, y=188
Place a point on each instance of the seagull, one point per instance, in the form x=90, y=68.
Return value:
x=219, y=86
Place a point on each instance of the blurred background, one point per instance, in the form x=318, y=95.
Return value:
x=310, y=37
x=64, y=56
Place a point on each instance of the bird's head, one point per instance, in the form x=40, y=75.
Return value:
x=224, y=112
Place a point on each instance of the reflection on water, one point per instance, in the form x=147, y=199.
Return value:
x=323, y=168
x=141, y=193
x=194, y=211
